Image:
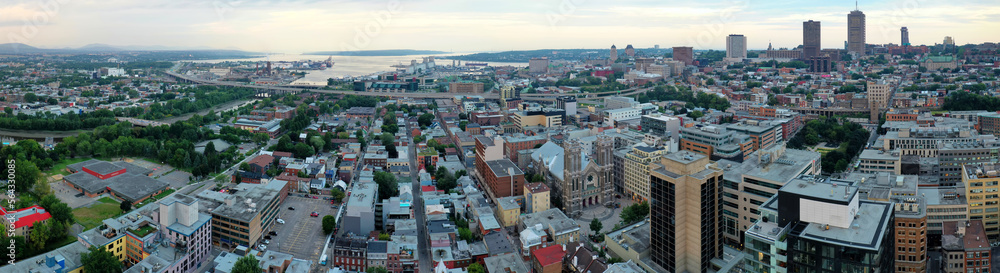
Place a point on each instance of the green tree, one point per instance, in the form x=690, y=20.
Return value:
x=596, y=226
x=27, y=175
x=99, y=260
x=387, y=186
x=384, y=237
x=30, y=97
x=465, y=234
x=377, y=270
x=246, y=264
x=125, y=206
x=635, y=212
x=329, y=223
x=614, y=260
x=55, y=207
x=476, y=268
x=695, y=114
x=39, y=235
x=244, y=166
x=337, y=194
x=426, y=119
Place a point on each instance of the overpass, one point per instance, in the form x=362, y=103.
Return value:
x=286, y=89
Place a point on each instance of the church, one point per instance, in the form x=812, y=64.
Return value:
x=577, y=180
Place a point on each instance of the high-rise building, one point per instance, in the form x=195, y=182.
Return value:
x=684, y=54
x=980, y=182
x=614, y=54
x=736, y=47
x=568, y=104
x=637, y=164
x=685, y=212
x=856, y=32
x=810, y=39
x=630, y=51
x=964, y=248
x=905, y=33
x=878, y=94
x=538, y=65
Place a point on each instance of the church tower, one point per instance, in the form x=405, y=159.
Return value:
x=572, y=182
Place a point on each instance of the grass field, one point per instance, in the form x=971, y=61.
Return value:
x=91, y=217
x=60, y=168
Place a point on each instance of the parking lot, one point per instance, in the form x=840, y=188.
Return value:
x=301, y=235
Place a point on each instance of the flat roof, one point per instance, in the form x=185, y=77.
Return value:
x=783, y=169
x=943, y=195
x=867, y=230
x=257, y=194
x=822, y=188
x=500, y=167
x=552, y=219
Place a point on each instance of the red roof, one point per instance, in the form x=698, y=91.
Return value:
x=427, y=188
x=262, y=160
x=549, y=255
x=28, y=219
x=282, y=154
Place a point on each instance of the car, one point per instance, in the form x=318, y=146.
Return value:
x=267, y=242
x=280, y=221
x=272, y=233
x=315, y=197
x=261, y=247
x=314, y=214
x=267, y=237
x=291, y=208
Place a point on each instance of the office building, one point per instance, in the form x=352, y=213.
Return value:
x=763, y=133
x=905, y=39
x=716, y=142
x=911, y=234
x=629, y=50
x=981, y=186
x=989, y=123
x=749, y=184
x=241, y=216
x=637, y=164
x=684, y=54
x=543, y=118
x=878, y=94
x=810, y=39
x=685, y=220
x=660, y=125
x=820, y=64
x=964, y=248
x=611, y=117
x=736, y=47
x=619, y=102
x=568, y=104
x=502, y=177
x=614, y=54
x=856, y=32
x=821, y=225
x=359, y=216
x=465, y=87
x=538, y=65
x=509, y=92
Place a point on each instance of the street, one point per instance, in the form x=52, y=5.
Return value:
x=422, y=240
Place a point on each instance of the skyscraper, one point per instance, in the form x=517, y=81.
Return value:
x=810, y=39
x=856, y=32
x=906, y=36
x=684, y=54
x=686, y=193
x=630, y=51
x=614, y=54
x=736, y=46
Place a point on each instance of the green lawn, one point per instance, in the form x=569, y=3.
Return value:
x=60, y=167
x=143, y=231
x=91, y=217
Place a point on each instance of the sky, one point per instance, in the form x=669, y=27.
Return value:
x=296, y=26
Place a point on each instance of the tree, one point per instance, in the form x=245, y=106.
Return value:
x=30, y=97
x=614, y=260
x=377, y=270
x=27, y=175
x=360, y=135
x=244, y=166
x=99, y=260
x=329, y=223
x=246, y=264
x=465, y=234
x=387, y=186
x=125, y=206
x=384, y=237
x=695, y=114
x=39, y=235
x=596, y=226
x=426, y=119
x=476, y=268
x=635, y=212
x=462, y=125
x=337, y=194
x=55, y=207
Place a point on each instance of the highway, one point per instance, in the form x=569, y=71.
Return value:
x=287, y=89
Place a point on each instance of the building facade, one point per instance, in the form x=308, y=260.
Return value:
x=685, y=212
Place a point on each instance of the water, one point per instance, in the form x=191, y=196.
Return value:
x=348, y=66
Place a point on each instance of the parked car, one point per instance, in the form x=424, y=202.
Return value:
x=267, y=237
x=314, y=214
x=267, y=242
x=272, y=233
x=291, y=208
x=281, y=221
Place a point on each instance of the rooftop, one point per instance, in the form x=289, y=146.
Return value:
x=503, y=167
x=964, y=235
x=838, y=191
x=244, y=202
x=554, y=220
x=936, y=196
x=508, y=263
x=866, y=232
x=781, y=167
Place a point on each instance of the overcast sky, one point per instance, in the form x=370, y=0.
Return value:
x=294, y=26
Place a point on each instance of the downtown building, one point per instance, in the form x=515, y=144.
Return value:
x=821, y=225
x=747, y=185
x=716, y=142
x=685, y=207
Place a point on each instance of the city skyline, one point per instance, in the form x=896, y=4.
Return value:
x=319, y=25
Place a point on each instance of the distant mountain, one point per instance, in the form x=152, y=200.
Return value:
x=98, y=47
x=384, y=52
x=18, y=48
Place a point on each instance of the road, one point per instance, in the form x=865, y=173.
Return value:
x=422, y=240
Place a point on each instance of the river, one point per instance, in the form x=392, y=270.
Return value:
x=349, y=66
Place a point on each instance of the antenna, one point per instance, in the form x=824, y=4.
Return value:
x=855, y=4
